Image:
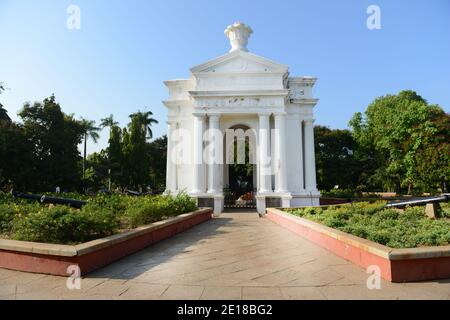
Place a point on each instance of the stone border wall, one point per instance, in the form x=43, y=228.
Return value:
x=55, y=259
x=396, y=265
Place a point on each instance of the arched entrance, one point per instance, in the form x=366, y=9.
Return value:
x=240, y=170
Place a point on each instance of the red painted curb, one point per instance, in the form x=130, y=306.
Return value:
x=420, y=269
x=401, y=270
x=57, y=265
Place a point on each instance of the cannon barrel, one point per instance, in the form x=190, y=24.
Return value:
x=133, y=193
x=418, y=202
x=47, y=199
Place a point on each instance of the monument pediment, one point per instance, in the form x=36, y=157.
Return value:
x=239, y=62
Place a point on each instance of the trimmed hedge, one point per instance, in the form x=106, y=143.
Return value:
x=102, y=216
x=408, y=229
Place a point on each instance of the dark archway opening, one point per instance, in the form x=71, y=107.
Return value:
x=240, y=190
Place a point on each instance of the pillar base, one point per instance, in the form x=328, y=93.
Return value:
x=218, y=205
x=261, y=204
x=215, y=201
x=305, y=200
x=286, y=201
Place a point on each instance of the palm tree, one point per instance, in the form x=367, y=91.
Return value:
x=89, y=131
x=108, y=122
x=145, y=120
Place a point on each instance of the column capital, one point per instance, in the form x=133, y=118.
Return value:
x=309, y=121
x=264, y=114
x=214, y=116
x=172, y=122
x=280, y=114
x=199, y=115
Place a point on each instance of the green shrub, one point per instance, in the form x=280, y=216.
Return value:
x=101, y=216
x=6, y=198
x=7, y=214
x=61, y=224
x=407, y=229
x=339, y=193
x=445, y=209
x=182, y=203
x=150, y=209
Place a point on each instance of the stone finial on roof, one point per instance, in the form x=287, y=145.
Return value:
x=238, y=33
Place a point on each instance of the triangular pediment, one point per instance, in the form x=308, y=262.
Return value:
x=240, y=62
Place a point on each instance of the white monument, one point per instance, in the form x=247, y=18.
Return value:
x=241, y=90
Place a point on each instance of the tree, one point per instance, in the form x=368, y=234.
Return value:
x=108, y=122
x=157, y=151
x=16, y=154
x=394, y=129
x=136, y=160
x=54, y=138
x=3, y=113
x=96, y=175
x=335, y=159
x=115, y=155
x=433, y=159
x=144, y=121
x=89, y=131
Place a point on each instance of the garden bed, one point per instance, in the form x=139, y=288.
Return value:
x=56, y=258
x=423, y=253
x=47, y=238
x=102, y=216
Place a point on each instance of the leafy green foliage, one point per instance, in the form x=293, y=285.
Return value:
x=371, y=221
x=90, y=131
x=335, y=159
x=42, y=152
x=61, y=224
x=157, y=150
x=16, y=165
x=152, y=209
x=3, y=113
x=102, y=216
x=53, y=137
x=406, y=143
x=135, y=156
x=339, y=193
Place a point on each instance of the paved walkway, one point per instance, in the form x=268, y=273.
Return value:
x=236, y=256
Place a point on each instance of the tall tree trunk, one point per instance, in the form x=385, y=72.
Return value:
x=84, y=157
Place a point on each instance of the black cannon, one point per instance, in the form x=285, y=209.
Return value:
x=133, y=193
x=47, y=199
x=418, y=201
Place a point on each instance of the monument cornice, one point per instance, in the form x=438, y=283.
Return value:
x=242, y=73
x=308, y=102
x=237, y=101
x=239, y=110
x=275, y=67
x=306, y=80
x=175, y=103
x=239, y=93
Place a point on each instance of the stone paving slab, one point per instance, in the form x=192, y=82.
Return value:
x=236, y=256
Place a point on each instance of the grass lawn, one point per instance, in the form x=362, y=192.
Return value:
x=408, y=229
x=103, y=215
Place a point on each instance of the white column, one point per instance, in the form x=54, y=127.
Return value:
x=171, y=170
x=199, y=169
x=265, y=183
x=280, y=153
x=310, y=161
x=215, y=154
x=301, y=163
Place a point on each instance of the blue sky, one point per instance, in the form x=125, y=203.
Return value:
x=117, y=62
